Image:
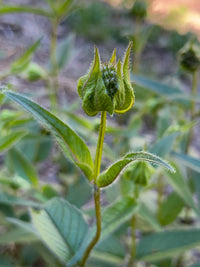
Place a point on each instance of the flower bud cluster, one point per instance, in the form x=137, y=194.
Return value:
x=190, y=57
x=107, y=87
x=109, y=75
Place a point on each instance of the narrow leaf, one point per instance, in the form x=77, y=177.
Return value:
x=23, y=9
x=62, y=227
x=22, y=166
x=108, y=176
x=12, y=200
x=117, y=214
x=17, y=235
x=10, y=140
x=167, y=244
x=188, y=161
x=73, y=146
x=177, y=181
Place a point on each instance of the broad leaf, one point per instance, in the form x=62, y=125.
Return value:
x=22, y=166
x=188, y=161
x=170, y=208
x=167, y=244
x=62, y=227
x=108, y=176
x=10, y=139
x=73, y=146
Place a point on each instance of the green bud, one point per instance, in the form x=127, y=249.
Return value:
x=139, y=173
x=139, y=9
x=107, y=87
x=190, y=56
x=34, y=72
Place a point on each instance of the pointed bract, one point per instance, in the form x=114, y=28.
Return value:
x=107, y=87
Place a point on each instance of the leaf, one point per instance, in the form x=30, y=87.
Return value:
x=167, y=244
x=73, y=146
x=23, y=9
x=10, y=140
x=64, y=51
x=22, y=166
x=62, y=227
x=21, y=63
x=163, y=146
x=148, y=215
x=181, y=187
x=170, y=208
x=17, y=235
x=12, y=200
x=188, y=161
x=108, y=176
x=117, y=214
x=196, y=264
x=171, y=93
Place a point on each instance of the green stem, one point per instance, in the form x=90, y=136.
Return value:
x=192, y=107
x=97, y=193
x=54, y=83
x=133, y=243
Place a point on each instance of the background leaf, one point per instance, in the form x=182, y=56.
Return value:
x=167, y=244
x=22, y=166
x=10, y=139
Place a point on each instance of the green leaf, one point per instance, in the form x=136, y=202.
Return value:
x=21, y=64
x=109, y=253
x=23, y=9
x=170, y=208
x=73, y=146
x=117, y=214
x=62, y=227
x=177, y=181
x=167, y=244
x=188, y=161
x=17, y=235
x=64, y=51
x=163, y=146
x=10, y=140
x=108, y=176
x=171, y=93
x=22, y=166
x=12, y=200
x=148, y=215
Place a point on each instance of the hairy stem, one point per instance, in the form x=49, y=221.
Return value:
x=97, y=193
